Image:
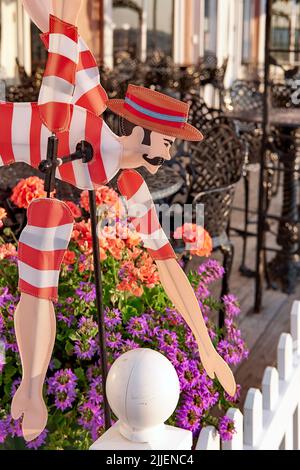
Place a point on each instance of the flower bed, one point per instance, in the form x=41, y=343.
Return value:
x=137, y=314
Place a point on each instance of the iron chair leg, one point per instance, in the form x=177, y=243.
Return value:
x=228, y=254
x=243, y=268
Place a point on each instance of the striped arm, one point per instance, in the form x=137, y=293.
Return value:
x=42, y=246
x=59, y=77
x=24, y=138
x=88, y=93
x=142, y=211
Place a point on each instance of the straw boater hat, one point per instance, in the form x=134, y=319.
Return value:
x=156, y=112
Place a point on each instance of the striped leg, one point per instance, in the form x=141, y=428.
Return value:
x=59, y=78
x=142, y=211
x=41, y=249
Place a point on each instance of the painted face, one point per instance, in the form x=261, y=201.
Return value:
x=150, y=150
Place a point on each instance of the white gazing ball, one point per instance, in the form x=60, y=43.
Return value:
x=142, y=388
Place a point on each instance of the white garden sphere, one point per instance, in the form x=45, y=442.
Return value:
x=143, y=391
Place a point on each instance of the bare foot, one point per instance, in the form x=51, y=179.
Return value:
x=34, y=419
x=34, y=411
x=224, y=375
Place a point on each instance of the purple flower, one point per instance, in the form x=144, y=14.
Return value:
x=232, y=308
x=167, y=338
x=189, y=417
x=68, y=320
x=39, y=441
x=210, y=271
x=95, y=393
x=6, y=297
x=14, y=427
x=173, y=317
x=2, y=324
x=86, y=291
x=232, y=353
x=63, y=380
x=202, y=291
x=114, y=340
x=176, y=356
x=64, y=400
x=85, y=348
x=3, y=430
x=113, y=318
x=236, y=396
x=91, y=415
x=93, y=371
x=15, y=386
x=188, y=374
x=226, y=428
x=137, y=327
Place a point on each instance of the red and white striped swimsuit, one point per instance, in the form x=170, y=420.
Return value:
x=24, y=138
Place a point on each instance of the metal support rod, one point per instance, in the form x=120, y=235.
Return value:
x=265, y=127
x=99, y=305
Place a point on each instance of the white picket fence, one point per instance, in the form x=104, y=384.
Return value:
x=271, y=418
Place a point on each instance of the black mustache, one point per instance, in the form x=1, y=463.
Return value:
x=156, y=161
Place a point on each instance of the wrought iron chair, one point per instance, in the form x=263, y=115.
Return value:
x=245, y=96
x=217, y=165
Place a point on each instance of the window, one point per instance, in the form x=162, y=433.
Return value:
x=128, y=26
x=286, y=31
x=247, y=40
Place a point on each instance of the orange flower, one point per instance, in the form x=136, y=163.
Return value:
x=7, y=250
x=82, y=235
x=69, y=258
x=76, y=212
x=27, y=190
x=3, y=213
x=104, y=195
x=197, y=239
x=147, y=270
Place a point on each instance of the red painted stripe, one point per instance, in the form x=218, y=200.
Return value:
x=42, y=260
x=35, y=136
x=49, y=293
x=147, y=224
x=48, y=213
x=59, y=26
x=155, y=108
x=86, y=61
x=6, y=119
x=165, y=252
x=94, y=100
x=66, y=171
x=60, y=66
x=93, y=131
x=149, y=118
x=55, y=116
x=129, y=182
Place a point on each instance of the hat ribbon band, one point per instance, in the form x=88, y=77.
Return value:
x=152, y=114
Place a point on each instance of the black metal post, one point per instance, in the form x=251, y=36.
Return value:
x=99, y=305
x=265, y=128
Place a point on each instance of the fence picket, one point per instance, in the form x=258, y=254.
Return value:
x=270, y=389
x=237, y=440
x=295, y=325
x=285, y=356
x=271, y=418
x=209, y=439
x=252, y=417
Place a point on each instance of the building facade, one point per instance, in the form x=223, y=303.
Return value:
x=183, y=29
